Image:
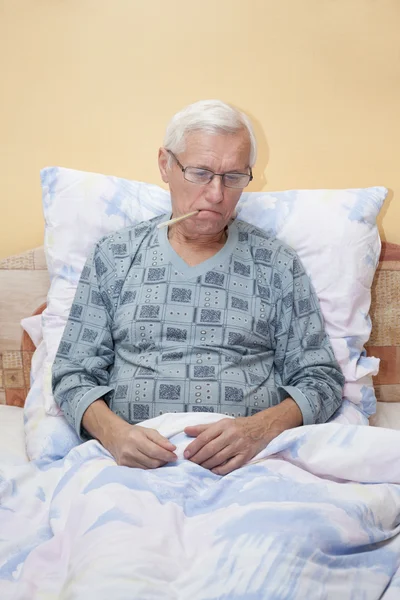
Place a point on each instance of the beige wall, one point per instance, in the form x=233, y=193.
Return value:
x=90, y=84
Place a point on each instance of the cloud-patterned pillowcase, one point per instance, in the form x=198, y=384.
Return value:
x=336, y=236
x=333, y=231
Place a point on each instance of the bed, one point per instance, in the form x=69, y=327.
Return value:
x=81, y=518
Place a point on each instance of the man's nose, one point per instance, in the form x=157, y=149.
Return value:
x=215, y=189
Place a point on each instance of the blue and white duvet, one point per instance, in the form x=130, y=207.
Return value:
x=315, y=516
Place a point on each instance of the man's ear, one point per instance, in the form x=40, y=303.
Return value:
x=163, y=164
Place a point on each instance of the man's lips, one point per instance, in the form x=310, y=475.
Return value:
x=208, y=210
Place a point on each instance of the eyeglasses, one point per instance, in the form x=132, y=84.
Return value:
x=205, y=176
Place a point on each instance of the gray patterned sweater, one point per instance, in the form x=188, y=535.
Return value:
x=235, y=334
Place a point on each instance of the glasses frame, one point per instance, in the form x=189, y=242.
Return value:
x=222, y=175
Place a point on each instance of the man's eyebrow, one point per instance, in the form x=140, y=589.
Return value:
x=203, y=167
x=238, y=170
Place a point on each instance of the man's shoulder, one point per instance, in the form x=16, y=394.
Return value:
x=260, y=239
x=121, y=241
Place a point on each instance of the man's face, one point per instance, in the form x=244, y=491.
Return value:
x=225, y=153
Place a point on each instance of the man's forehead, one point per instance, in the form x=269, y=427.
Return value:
x=231, y=147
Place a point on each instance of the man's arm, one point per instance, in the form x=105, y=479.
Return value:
x=86, y=350
x=80, y=372
x=304, y=360
x=102, y=424
x=277, y=419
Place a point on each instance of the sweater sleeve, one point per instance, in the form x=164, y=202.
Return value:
x=80, y=370
x=304, y=357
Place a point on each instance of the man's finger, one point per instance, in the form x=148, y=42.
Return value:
x=203, y=438
x=159, y=439
x=148, y=462
x=195, y=430
x=131, y=461
x=137, y=460
x=153, y=450
x=211, y=449
x=232, y=464
x=219, y=458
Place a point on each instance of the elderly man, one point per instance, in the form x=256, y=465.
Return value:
x=206, y=314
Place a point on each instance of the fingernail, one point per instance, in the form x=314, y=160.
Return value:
x=186, y=454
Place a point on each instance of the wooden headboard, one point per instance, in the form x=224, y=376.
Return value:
x=24, y=283
x=385, y=314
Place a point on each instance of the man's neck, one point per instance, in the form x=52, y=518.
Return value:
x=196, y=249
x=178, y=236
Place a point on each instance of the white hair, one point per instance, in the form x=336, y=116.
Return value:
x=210, y=116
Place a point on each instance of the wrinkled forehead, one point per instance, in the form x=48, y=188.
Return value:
x=230, y=150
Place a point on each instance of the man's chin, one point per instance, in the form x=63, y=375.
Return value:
x=211, y=228
x=210, y=220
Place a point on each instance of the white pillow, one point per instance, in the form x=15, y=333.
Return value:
x=33, y=327
x=336, y=237
x=333, y=231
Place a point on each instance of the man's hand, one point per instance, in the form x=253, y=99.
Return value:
x=230, y=443
x=130, y=445
x=225, y=445
x=141, y=447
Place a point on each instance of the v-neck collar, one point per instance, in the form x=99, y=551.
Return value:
x=208, y=264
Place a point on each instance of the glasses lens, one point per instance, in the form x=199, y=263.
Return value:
x=236, y=180
x=199, y=176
